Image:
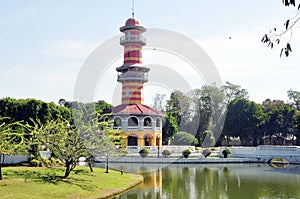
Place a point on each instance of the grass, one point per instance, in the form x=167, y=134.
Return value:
x=35, y=182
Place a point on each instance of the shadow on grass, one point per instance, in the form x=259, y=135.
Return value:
x=52, y=177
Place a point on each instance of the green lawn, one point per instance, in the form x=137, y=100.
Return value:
x=35, y=182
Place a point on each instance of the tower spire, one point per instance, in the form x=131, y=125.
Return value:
x=132, y=9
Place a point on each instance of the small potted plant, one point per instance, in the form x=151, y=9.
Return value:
x=206, y=152
x=186, y=153
x=166, y=153
x=144, y=152
x=226, y=152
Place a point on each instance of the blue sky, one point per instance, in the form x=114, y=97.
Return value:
x=43, y=44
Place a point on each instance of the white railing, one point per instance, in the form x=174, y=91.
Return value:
x=132, y=128
x=126, y=39
x=133, y=77
x=147, y=128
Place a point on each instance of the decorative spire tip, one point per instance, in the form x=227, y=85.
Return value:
x=132, y=9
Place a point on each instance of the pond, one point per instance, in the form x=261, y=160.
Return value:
x=233, y=181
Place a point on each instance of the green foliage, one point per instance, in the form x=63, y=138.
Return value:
x=206, y=152
x=29, y=110
x=184, y=138
x=210, y=104
x=295, y=97
x=280, y=121
x=64, y=142
x=166, y=153
x=170, y=127
x=244, y=119
x=186, y=153
x=226, y=152
x=144, y=152
x=233, y=91
x=12, y=140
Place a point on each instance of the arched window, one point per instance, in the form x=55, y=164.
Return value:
x=147, y=122
x=133, y=121
x=117, y=121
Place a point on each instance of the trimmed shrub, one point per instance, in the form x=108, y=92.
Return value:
x=166, y=153
x=206, y=152
x=226, y=152
x=144, y=152
x=186, y=153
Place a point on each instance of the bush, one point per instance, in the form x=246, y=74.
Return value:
x=206, y=152
x=184, y=138
x=226, y=152
x=144, y=152
x=186, y=153
x=166, y=153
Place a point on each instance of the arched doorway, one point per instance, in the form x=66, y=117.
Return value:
x=132, y=140
x=147, y=140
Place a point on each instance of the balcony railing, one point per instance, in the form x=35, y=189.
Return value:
x=147, y=128
x=132, y=39
x=129, y=76
x=132, y=128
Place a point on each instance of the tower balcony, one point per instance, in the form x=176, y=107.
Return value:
x=142, y=77
x=132, y=39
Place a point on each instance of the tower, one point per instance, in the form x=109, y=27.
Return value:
x=132, y=74
x=141, y=125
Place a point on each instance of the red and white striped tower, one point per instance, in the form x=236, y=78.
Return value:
x=132, y=74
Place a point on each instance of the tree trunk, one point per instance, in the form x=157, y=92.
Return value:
x=90, y=163
x=68, y=169
x=106, y=170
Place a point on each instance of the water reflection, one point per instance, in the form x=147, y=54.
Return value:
x=216, y=181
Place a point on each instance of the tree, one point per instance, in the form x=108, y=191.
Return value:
x=159, y=102
x=280, y=122
x=232, y=91
x=268, y=104
x=184, y=138
x=170, y=127
x=11, y=141
x=297, y=130
x=32, y=110
x=100, y=139
x=295, y=97
x=210, y=111
x=244, y=119
x=63, y=141
x=180, y=105
x=275, y=35
x=97, y=133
